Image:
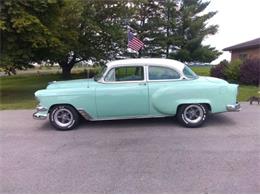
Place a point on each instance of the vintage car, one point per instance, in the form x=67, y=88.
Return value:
x=137, y=88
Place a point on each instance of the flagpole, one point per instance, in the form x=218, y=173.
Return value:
x=139, y=53
x=129, y=28
x=134, y=43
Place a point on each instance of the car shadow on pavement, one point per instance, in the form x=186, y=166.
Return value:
x=46, y=126
x=131, y=123
x=214, y=120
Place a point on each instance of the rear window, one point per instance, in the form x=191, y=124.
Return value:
x=162, y=73
x=189, y=73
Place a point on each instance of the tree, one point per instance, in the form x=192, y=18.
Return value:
x=26, y=29
x=88, y=30
x=174, y=29
x=190, y=29
x=146, y=20
x=68, y=32
x=168, y=36
x=64, y=32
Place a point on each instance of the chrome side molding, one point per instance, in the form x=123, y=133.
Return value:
x=85, y=114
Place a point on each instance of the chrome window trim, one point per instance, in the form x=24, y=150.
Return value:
x=102, y=80
x=146, y=74
x=164, y=80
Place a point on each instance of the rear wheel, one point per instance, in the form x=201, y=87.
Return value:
x=192, y=115
x=64, y=117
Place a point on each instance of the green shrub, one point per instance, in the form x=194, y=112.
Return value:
x=232, y=71
x=218, y=70
x=250, y=72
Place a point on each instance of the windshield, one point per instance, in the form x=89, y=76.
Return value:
x=189, y=73
x=100, y=73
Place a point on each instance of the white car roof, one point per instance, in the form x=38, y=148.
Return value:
x=149, y=62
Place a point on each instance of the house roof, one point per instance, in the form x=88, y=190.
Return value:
x=245, y=45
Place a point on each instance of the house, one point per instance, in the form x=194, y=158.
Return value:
x=246, y=50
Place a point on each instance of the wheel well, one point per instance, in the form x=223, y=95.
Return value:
x=52, y=106
x=205, y=104
x=208, y=106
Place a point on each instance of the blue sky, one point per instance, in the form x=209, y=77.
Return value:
x=238, y=20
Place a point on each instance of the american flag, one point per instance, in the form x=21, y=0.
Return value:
x=133, y=42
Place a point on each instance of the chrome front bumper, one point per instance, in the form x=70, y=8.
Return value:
x=41, y=113
x=233, y=107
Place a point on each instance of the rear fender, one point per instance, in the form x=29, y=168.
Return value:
x=170, y=108
x=166, y=100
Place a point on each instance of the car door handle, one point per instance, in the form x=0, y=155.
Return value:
x=142, y=84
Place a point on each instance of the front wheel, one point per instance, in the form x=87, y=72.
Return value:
x=192, y=115
x=64, y=117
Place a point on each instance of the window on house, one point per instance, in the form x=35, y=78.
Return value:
x=242, y=56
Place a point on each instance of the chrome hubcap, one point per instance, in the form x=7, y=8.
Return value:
x=63, y=117
x=193, y=113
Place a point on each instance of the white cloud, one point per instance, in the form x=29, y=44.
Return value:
x=238, y=22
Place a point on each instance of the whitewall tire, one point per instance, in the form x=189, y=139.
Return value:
x=64, y=117
x=192, y=115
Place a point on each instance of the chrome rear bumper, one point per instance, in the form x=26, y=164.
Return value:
x=233, y=107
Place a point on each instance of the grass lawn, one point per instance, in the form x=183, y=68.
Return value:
x=201, y=70
x=246, y=91
x=17, y=92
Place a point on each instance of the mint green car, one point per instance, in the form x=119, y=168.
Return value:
x=137, y=88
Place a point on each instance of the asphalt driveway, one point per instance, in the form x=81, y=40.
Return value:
x=131, y=156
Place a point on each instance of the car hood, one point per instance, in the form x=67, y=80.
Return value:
x=78, y=83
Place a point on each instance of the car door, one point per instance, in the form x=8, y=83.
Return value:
x=123, y=94
x=162, y=84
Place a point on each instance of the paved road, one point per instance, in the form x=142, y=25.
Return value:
x=131, y=156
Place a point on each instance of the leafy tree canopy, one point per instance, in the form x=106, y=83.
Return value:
x=27, y=28
x=68, y=31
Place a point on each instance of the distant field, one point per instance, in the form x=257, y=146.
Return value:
x=201, y=70
x=17, y=92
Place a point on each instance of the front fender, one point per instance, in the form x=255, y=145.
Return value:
x=79, y=98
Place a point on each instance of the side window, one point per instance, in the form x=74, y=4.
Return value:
x=162, y=73
x=135, y=73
